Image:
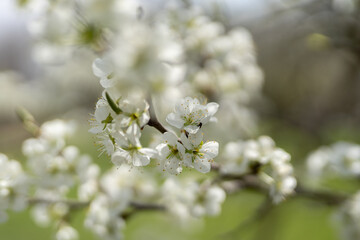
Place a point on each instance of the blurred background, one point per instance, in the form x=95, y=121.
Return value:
x=309, y=51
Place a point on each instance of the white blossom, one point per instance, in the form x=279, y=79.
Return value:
x=283, y=181
x=103, y=116
x=133, y=111
x=190, y=115
x=263, y=158
x=44, y=213
x=104, y=70
x=187, y=199
x=348, y=217
x=199, y=154
x=104, y=220
x=242, y=155
x=342, y=158
x=66, y=232
x=13, y=186
x=125, y=183
x=54, y=166
x=129, y=150
x=171, y=154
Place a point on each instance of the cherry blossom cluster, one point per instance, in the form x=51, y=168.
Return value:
x=262, y=157
x=55, y=166
x=186, y=198
x=118, y=124
x=13, y=186
x=190, y=150
x=176, y=55
x=55, y=169
x=147, y=70
x=119, y=187
x=341, y=158
x=349, y=217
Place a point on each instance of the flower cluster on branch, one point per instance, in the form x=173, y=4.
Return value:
x=174, y=119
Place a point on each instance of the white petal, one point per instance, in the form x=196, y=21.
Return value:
x=144, y=119
x=96, y=130
x=101, y=68
x=182, y=107
x=212, y=108
x=210, y=148
x=120, y=138
x=192, y=129
x=196, y=138
x=203, y=165
x=123, y=121
x=175, y=120
x=173, y=166
x=101, y=113
x=187, y=160
x=107, y=83
x=133, y=134
x=140, y=159
x=180, y=148
x=170, y=138
x=120, y=157
x=186, y=142
x=148, y=151
x=192, y=103
x=163, y=150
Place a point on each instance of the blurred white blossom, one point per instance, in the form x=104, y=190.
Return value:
x=342, y=158
x=348, y=217
x=14, y=186
x=263, y=158
x=187, y=198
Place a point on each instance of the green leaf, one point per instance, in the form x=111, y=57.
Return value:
x=112, y=104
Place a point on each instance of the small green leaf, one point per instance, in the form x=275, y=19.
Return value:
x=112, y=104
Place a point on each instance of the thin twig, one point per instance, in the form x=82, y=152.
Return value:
x=327, y=197
x=73, y=204
x=153, y=122
x=140, y=207
x=147, y=206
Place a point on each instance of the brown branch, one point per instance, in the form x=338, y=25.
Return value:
x=251, y=181
x=139, y=207
x=153, y=122
x=147, y=207
x=327, y=197
x=73, y=204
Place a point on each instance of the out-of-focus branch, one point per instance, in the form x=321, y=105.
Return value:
x=147, y=206
x=327, y=197
x=140, y=207
x=251, y=181
x=72, y=204
x=75, y=204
